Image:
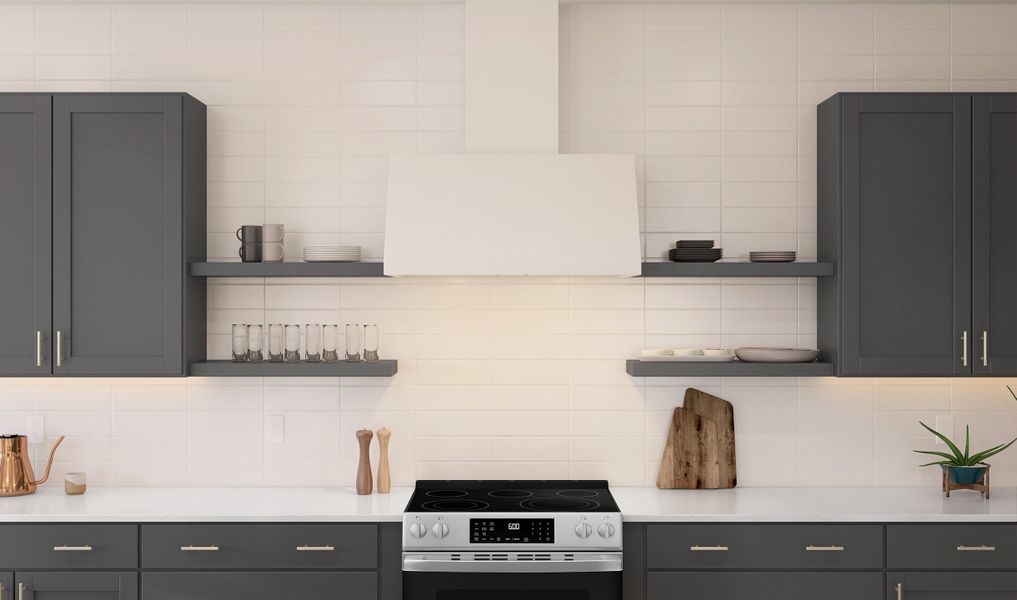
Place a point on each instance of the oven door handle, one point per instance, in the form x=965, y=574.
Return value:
x=592, y=563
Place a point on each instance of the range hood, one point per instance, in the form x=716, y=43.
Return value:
x=512, y=214
x=512, y=205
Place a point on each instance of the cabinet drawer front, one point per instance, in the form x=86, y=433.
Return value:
x=764, y=586
x=296, y=546
x=951, y=585
x=60, y=546
x=739, y=546
x=259, y=586
x=952, y=546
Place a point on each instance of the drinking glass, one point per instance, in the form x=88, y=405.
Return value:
x=312, y=342
x=276, y=342
x=330, y=343
x=240, y=350
x=354, y=341
x=371, y=343
x=292, y=343
x=255, y=343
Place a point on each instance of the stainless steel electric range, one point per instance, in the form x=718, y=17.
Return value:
x=508, y=540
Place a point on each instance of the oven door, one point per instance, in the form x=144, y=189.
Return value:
x=556, y=576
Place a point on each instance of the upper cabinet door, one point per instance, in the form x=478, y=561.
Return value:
x=25, y=236
x=117, y=235
x=906, y=245
x=994, y=209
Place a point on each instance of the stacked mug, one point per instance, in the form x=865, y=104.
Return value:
x=261, y=243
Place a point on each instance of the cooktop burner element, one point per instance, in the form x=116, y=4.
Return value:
x=511, y=496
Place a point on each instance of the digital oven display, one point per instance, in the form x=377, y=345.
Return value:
x=512, y=531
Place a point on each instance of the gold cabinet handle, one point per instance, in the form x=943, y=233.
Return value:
x=708, y=548
x=824, y=548
x=21, y=591
x=315, y=548
x=900, y=591
x=964, y=349
x=199, y=548
x=38, y=348
x=976, y=548
x=72, y=548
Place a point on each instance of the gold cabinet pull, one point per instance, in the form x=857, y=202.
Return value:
x=964, y=349
x=985, y=348
x=900, y=591
x=60, y=348
x=976, y=548
x=21, y=591
x=38, y=348
x=315, y=548
x=824, y=548
x=72, y=548
x=199, y=548
x=708, y=548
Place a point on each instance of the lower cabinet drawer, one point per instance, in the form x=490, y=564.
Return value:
x=289, y=546
x=951, y=586
x=68, y=546
x=749, y=546
x=261, y=585
x=764, y=586
x=952, y=546
x=75, y=585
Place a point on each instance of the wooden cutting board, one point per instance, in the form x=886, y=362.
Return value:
x=700, y=448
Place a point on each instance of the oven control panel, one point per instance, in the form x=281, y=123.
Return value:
x=467, y=532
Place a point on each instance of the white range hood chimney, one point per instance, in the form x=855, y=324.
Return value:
x=513, y=206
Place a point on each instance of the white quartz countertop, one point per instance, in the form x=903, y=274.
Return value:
x=637, y=504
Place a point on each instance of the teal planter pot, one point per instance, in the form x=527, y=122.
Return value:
x=965, y=475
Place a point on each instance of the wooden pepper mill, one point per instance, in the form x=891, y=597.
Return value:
x=365, y=481
x=384, y=474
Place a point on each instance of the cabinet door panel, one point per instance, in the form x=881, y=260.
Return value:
x=661, y=585
x=117, y=234
x=260, y=585
x=76, y=586
x=25, y=235
x=951, y=586
x=907, y=234
x=994, y=207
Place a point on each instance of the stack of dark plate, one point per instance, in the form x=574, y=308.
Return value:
x=695, y=251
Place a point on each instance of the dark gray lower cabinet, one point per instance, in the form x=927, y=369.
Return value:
x=259, y=585
x=76, y=586
x=951, y=586
x=763, y=586
x=6, y=585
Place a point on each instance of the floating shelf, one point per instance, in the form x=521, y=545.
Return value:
x=228, y=368
x=735, y=368
x=288, y=269
x=737, y=269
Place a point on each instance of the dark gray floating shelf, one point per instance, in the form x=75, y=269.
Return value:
x=228, y=368
x=288, y=269
x=737, y=269
x=735, y=368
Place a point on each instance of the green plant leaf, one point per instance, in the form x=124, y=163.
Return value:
x=1011, y=392
x=953, y=447
x=967, y=443
x=939, y=454
x=981, y=456
x=942, y=462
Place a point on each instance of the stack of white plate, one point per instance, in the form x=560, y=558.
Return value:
x=331, y=253
x=774, y=256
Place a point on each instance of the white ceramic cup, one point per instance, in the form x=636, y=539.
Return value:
x=75, y=483
x=272, y=252
x=273, y=233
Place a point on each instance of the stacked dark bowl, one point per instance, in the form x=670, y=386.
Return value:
x=695, y=251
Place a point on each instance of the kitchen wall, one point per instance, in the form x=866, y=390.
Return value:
x=503, y=377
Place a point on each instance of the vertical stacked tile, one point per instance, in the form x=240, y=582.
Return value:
x=17, y=48
x=836, y=431
x=912, y=48
x=149, y=47
x=149, y=433
x=984, y=47
x=225, y=432
x=683, y=145
x=900, y=405
x=440, y=114
x=72, y=47
x=81, y=411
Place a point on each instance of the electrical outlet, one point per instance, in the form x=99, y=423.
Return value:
x=36, y=429
x=275, y=429
x=944, y=425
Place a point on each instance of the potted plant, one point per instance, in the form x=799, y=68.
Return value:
x=962, y=468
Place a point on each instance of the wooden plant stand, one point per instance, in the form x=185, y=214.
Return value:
x=983, y=486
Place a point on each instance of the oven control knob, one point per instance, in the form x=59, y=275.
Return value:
x=584, y=530
x=418, y=530
x=606, y=530
x=439, y=530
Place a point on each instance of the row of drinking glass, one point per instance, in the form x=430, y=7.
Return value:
x=321, y=343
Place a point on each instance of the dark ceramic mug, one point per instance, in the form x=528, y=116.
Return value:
x=249, y=234
x=250, y=252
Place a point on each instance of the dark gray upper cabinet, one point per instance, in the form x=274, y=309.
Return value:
x=921, y=241
x=125, y=216
x=25, y=245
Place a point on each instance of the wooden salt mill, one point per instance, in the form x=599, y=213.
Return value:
x=365, y=481
x=384, y=474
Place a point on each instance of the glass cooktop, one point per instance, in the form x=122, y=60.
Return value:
x=511, y=496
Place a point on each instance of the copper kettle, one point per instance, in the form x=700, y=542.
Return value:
x=16, y=476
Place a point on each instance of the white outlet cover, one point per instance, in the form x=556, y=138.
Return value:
x=275, y=429
x=36, y=429
x=944, y=425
